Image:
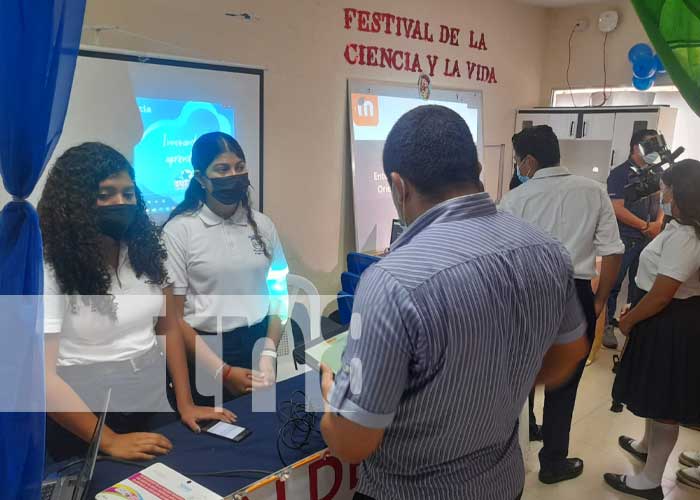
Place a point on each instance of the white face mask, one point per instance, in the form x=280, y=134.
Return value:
x=652, y=158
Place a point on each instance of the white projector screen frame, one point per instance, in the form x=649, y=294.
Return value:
x=373, y=211
x=256, y=167
x=100, y=127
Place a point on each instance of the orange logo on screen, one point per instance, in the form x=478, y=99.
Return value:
x=365, y=110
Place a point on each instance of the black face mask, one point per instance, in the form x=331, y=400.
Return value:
x=230, y=190
x=114, y=220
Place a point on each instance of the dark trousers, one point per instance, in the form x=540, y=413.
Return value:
x=559, y=403
x=630, y=264
x=237, y=349
x=531, y=407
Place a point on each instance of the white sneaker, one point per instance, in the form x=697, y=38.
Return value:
x=609, y=339
x=690, y=477
x=690, y=458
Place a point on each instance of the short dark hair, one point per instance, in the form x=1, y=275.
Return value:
x=432, y=148
x=639, y=137
x=540, y=142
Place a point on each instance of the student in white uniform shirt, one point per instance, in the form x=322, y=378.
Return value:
x=229, y=270
x=578, y=212
x=658, y=377
x=105, y=290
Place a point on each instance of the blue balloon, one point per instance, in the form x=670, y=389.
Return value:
x=660, y=68
x=640, y=51
x=644, y=67
x=643, y=83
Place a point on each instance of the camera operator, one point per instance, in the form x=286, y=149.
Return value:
x=639, y=221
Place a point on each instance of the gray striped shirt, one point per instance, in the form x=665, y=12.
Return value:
x=447, y=336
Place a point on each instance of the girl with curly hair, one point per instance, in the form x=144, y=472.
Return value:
x=228, y=269
x=657, y=377
x=105, y=291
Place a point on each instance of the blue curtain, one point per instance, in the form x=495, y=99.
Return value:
x=39, y=42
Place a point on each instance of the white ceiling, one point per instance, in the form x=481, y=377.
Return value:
x=558, y=3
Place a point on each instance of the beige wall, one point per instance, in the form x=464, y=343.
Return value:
x=587, y=48
x=300, y=43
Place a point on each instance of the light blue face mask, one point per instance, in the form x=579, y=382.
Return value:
x=522, y=178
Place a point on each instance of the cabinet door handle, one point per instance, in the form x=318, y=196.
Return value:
x=571, y=129
x=584, y=127
x=612, y=159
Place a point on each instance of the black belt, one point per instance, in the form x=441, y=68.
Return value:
x=135, y=365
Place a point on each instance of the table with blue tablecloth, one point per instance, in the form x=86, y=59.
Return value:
x=194, y=454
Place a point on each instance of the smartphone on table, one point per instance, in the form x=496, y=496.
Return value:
x=229, y=432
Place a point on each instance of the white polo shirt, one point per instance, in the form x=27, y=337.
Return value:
x=674, y=253
x=573, y=209
x=222, y=270
x=88, y=336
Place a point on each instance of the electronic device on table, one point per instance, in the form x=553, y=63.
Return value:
x=224, y=430
x=327, y=351
x=75, y=486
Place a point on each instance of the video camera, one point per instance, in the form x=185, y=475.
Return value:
x=646, y=181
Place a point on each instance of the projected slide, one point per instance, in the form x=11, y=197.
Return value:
x=162, y=158
x=151, y=109
x=372, y=117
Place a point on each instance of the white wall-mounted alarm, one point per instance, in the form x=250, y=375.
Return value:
x=608, y=21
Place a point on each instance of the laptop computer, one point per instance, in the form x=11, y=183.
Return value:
x=75, y=486
x=396, y=230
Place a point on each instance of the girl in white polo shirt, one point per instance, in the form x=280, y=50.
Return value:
x=658, y=377
x=105, y=291
x=229, y=273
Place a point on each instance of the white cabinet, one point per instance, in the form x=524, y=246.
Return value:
x=564, y=125
x=625, y=125
x=593, y=140
x=597, y=126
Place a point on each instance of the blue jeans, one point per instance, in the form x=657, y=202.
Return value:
x=630, y=263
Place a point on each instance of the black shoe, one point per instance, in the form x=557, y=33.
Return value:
x=619, y=482
x=568, y=469
x=626, y=444
x=535, y=433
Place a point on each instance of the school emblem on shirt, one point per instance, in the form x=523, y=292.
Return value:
x=257, y=246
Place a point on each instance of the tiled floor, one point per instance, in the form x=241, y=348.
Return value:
x=594, y=436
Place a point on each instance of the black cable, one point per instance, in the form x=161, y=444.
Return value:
x=107, y=458
x=568, y=67
x=298, y=425
x=605, y=72
x=231, y=473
